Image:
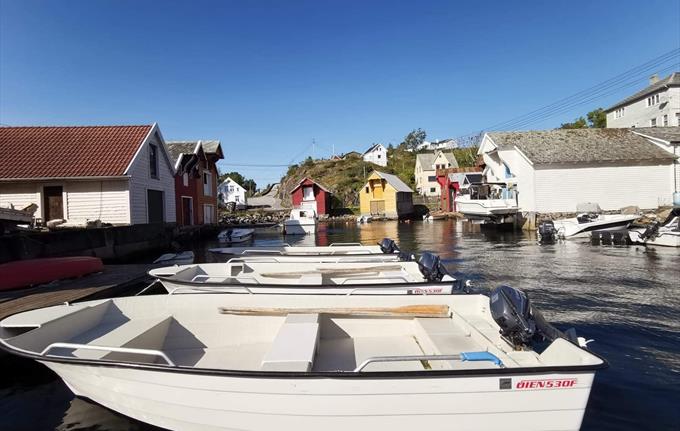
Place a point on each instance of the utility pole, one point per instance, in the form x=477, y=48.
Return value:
x=313, y=144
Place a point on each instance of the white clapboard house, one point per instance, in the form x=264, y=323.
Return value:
x=115, y=174
x=231, y=191
x=377, y=155
x=554, y=170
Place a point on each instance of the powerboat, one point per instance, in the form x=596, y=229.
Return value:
x=490, y=202
x=665, y=234
x=267, y=275
x=302, y=221
x=181, y=258
x=386, y=246
x=310, y=362
x=236, y=235
x=585, y=223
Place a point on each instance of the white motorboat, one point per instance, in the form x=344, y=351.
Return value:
x=665, y=234
x=232, y=236
x=310, y=362
x=181, y=258
x=302, y=221
x=364, y=219
x=583, y=224
x=325, y=276
x=488, y=202
x=386, y=246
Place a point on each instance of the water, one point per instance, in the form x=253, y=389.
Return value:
x=625, y=298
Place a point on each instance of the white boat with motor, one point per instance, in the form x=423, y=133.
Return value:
x=583, y=225
x=302, y=221
x=488, y=202
x=364, y=219
x=385, y=247
x=310, y=362
x=427, y=276
x=666, y=233
x=235, y=235
x=181, y=258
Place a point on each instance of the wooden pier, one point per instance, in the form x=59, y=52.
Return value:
x=113, y=280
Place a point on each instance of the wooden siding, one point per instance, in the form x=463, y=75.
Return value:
x=395, y=204
x=20, y=195
x=612, y=187
x=141, y=181
x=107, y=201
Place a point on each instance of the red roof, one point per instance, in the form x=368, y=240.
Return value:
x=64, y=152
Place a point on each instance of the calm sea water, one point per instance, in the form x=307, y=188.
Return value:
x=625, y=298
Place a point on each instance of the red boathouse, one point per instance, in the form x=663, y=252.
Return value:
x=310, y=194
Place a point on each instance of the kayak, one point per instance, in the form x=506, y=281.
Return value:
x=30, y=272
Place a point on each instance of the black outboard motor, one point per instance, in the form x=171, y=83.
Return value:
x=388, y=246
x=511, y=310
x=431, y=267
x=547, y=232
x=651, y=231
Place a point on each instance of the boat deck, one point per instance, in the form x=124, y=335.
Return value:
x=113, y=279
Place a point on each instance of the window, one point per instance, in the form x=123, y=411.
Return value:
x=653, y=122
x=665, y=120
x=378, y=155
x=433, y=190
x=508, y=173
x=619, y=113
x=653, y=100
x=153, y=160
x=207, y=184
x=431, y=178
x=366, y=189
x=236, y=198
x=185, y=179
x=231, y=188
x=677, y=118
x=308, y=193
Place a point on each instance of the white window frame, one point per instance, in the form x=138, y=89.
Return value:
x=207, y=183
x=185, y=179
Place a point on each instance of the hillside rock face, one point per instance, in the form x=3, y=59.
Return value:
x=345, y=177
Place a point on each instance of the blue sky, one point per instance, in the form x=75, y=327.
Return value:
x=267, y=77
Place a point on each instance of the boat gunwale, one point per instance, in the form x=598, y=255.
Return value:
x=481, y=372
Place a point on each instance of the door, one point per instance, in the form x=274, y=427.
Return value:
x=208, y=213
x=187, y=211
x=53, y=203
x=155, y=206
x=377, y=207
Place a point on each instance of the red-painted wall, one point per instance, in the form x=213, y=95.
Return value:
x=322, y=198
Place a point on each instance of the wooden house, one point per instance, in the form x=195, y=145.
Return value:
x=385, y=195
x=114, y=174
x=310, y=194
x=196, y=180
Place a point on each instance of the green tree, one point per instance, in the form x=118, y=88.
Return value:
x=579, y=123
x=414, y=138
x=597, y=118
x=250, y=186
x=234, y=176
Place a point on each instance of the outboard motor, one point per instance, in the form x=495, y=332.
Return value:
x=406, y=256
x=431, y=267
x=547, y=232
x=388, y=246
x=511, y=310
x=651, y=231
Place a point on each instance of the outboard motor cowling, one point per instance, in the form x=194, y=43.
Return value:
x=431, y=267
x=651, y=231
x=388, y=246
x=511, y=310
x=547, y=232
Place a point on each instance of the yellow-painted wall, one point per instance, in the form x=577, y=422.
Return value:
x=373, y=191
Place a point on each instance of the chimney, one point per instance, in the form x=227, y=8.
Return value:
x=653, y=79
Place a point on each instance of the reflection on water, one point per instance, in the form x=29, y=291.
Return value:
x=626, y=298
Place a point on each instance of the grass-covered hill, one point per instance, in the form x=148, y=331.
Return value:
x=345, y=177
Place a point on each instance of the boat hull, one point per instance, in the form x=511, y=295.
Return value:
x=663, y=239
x=299, y=227
x=175, y=399
x=571, y=228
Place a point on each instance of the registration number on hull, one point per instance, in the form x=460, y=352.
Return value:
x=546, y=384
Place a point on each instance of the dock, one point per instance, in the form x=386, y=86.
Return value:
x=112, y=281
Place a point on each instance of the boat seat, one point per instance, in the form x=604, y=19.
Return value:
x=139, y=333
x=295, y=344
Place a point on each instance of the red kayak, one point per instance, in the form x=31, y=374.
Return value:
x=24, y=273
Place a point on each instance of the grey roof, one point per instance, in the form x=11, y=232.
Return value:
x=580, y=145
x=671, y=80
x=177, y=148
x=210, y=146
x=668, y=134
x=450, y=157
x=426, y=159
x=395, y=182
x=374, y=146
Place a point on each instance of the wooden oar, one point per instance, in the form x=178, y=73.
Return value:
x=434, y=310
x=333, y=271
